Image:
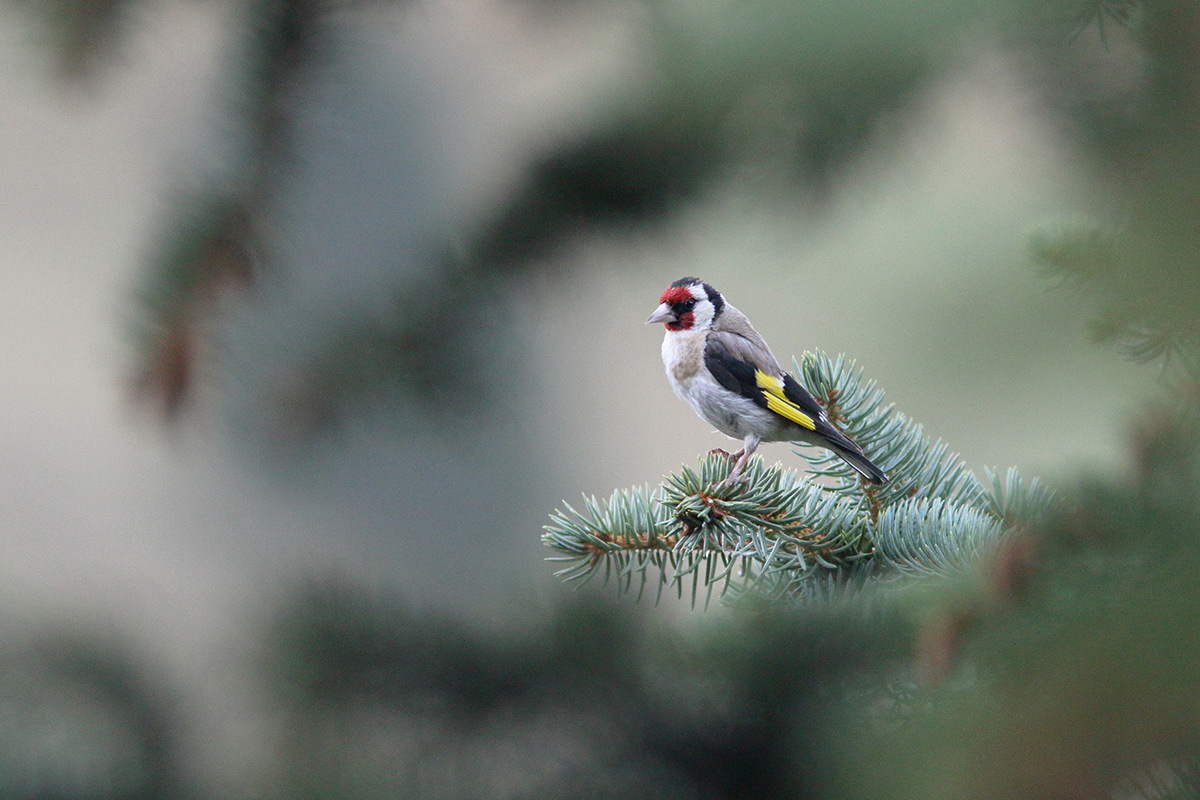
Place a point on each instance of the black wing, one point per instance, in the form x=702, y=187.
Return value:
x=766, y=390
x=735, y=374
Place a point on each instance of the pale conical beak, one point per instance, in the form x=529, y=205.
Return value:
x=662, y=314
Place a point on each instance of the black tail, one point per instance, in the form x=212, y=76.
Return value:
x=850, y=452
x=862, y=464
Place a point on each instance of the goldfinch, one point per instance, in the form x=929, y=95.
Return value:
x=721, y=366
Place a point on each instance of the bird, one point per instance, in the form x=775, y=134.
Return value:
x=722, y=367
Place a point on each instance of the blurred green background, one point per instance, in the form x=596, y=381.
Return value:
x=311, y=306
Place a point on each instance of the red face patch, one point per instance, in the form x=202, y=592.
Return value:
x=676, y=294
x=686, y=320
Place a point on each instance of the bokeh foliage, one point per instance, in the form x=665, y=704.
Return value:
x=1062, y=665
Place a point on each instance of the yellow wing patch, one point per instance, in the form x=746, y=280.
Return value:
x=776, y=401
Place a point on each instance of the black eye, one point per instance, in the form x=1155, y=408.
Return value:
x=686, y=305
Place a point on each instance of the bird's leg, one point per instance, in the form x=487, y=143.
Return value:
x=741, y=457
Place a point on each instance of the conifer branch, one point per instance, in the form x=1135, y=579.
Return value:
x=897, y=444
x=1015, y=502
x=917, y=537
x=778, y=531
